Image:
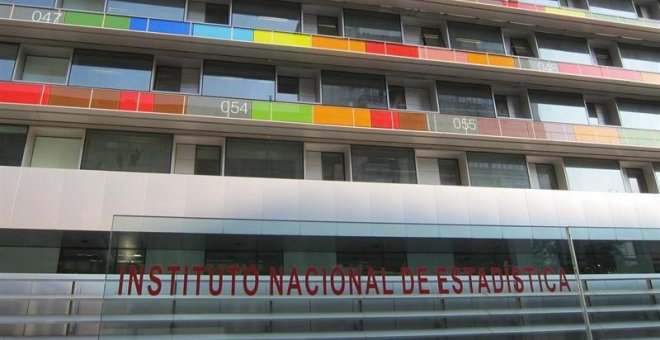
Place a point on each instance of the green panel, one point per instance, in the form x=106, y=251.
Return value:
x=115, y=21
x=287, y=112
x=261, y=110
x=639, y=137
x=83, y=19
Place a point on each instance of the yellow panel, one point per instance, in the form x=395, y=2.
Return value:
x=291, y=39
x=568, y=12
x=652, y=78
x=500, y=60
x=362, y=117
x=331, y=115
x=357, y=46
x=265, y=37
x=477, y=58
x=594, y=134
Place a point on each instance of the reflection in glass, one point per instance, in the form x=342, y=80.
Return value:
x=84, y=5
x=372, y=25
x=8, y=54
x=621, y=8
x=594, y=175
x=563, y=48
x=640, y=58
x=558, y=107
x=127, y=151
x=270, y=15
x=465, y=99
x=105, y=69
x=238, y=80
x=161, y=9
x=473, y=37
x=44, y=69
x=264, y=158
x=639, y=114
x=383, y=164
x=354, y=89
x=497, y=170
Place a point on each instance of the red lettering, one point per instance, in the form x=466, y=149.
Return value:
x=173, y=270
x=311, y=271
x=383, y=274
x=421, y=280
x=199, y=270
x=213, y=291
x=251, y=270
x=518, y=284
x=497, y=271
x=439, y=273
x=546, y=271
x=405, y=271
x=155, y=280
x=133, y=279
x=529, y=272
x=469, y=271
x=294, y=282
x=457, y=281
x=483, y=283
x=563, y=280
x=337, y=271
x=371, y=281
x=233, y=270
x=274, y=282
x=122, y=272
x=355, y=281
x=185, y=280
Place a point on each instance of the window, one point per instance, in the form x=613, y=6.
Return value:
x=635, y=181
x=599, y=114
x=84, y=5
x=38, y=3
x=639, y=114
x=509, y=106
x=390, y=262
x=594, y=175
x=327, y=25
x=56, y=152
x=82, y=261
x=397, y=97
x=521, y=47
x=161, y=9
x=432, y=37
x=43, y=64
x=640, y=58
x=475, y=37
x=372, y=25
x=656, y=167
x=266, y=14
x=176, y=79
x=354, y=89
x=383, y=164
x=216, y=14
x=620, y=8
x=563, y=48
x=12, y=144
x=111, y=70
x=208, y=160
x=558, y=107
x=497, y=170
x=543, y=176
x=603, y=57
x=332, y=165
x=449, y=172
x=8, y=53
x=264, y=158
x=288, y=89
x=465, y=99
x=262, y=260
x=238, y=80
x=127, y=151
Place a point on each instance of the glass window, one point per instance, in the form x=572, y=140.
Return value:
x=264, y=158
x=12, y=144
x=465, y=99
x=636, y=182
x=475, y=37
x=521, y=47
x=162, y=9
x=640, y=58
x=82, y=261
x=208, y=160
x=127, y=151
x=603, y=57
x=594, y=175
x=612, y=257
x=168, y=79
x=266, y=14
x=288, y=88
x=497, y=170
x=383, y=164
x=38, y=3
x=263, y=260
x=84, y=5
x=449, y=172
x=390, y=262
x=543, y=176
x=238, y=80
x=599, y=114
x=397, y=97
x=216, y=14
x=563, y=48
x=639, y=114
x=111, y=70
x=656, y=167
x=8, y=53
x=558, y=107
x=432, y=37
x=327, y=25
x=354, y=89
x=621, y=8
x=372, y=25
x=44, y=69
x=332, y=166
x=56, y=152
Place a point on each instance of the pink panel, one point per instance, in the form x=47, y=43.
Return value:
x=128, y=101
x=569, y=68
x=592, y=71
x=439, y=54
x=519, y=5
x=517, y=128
x=460, y=57
x=489, y=126
x=621, y=74
x=146, y=102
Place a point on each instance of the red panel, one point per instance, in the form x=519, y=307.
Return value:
x=621, y=74
x=46, y=95
x=395, y=120
x=128, y=101
x=20, y=93
x=489, y=126
x=402, y=50
x=375, y=47
x=592, y=71
x=519, y=5
x=146, y=102
x=381, y=119
x=516, y=128
x=569, y=68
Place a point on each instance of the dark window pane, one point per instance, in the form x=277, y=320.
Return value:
x=558, y=107
x=38, y=3
x=397, y=97
x=327, y=25
x=372, y=25
x=354, y=89
x=238, y=80
x=8, y=54
x=594, y=175
x=502, y=106
x=266, y=14
x=563, y=48
x=264, y=158
x=332, y=164
x=520, y=47
x=12, y=144
x=168, y=79
x=208, y=160
x=612, y=257
x=496, y=170
x=475, y=37
x=603, y=57
x=217, y=14
x=391, y=262
x=84, y=5
x=162, y=9
x=465, y=99
x=432, y=37
x=288, y=89
x=383, y=164
x=111, y=70
x=545, y=176
x=639, y=114
x=636, y=181
x=127, y=151
x=262, y=260
x=449, y=172
x=82, y=261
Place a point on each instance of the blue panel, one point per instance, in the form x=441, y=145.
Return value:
x=243, y=34
x=138, y=24
x=170, y=27
x=211, y=31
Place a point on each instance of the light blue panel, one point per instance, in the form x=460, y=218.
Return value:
x=580, y=233
x=138, y=24
x=354, y=229
x=280, y=228
x=547, y=233
x=318, y=228
x=455, y=231
x=246, y=227
x=486, y=232
x=388, y=230
x=211, y=31
x=651, y=234
x=517, y=232
x=170, y=27
x=626, y=234
x=243, y=34
x=602, y=234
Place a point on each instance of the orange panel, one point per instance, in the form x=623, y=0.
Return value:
x=500, y=60
x=477, y=58
x=331, y=115
x=168, y=103
x=357, y=46
x=70, y=96
x=330, y=43
x=362, y=117
x=593, y=134
x=412, y=121
x=105, y=99
x=653, y=78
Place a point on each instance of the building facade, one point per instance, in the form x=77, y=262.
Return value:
x=266, y=169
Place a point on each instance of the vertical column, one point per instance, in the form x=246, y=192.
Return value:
x=580, y=285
